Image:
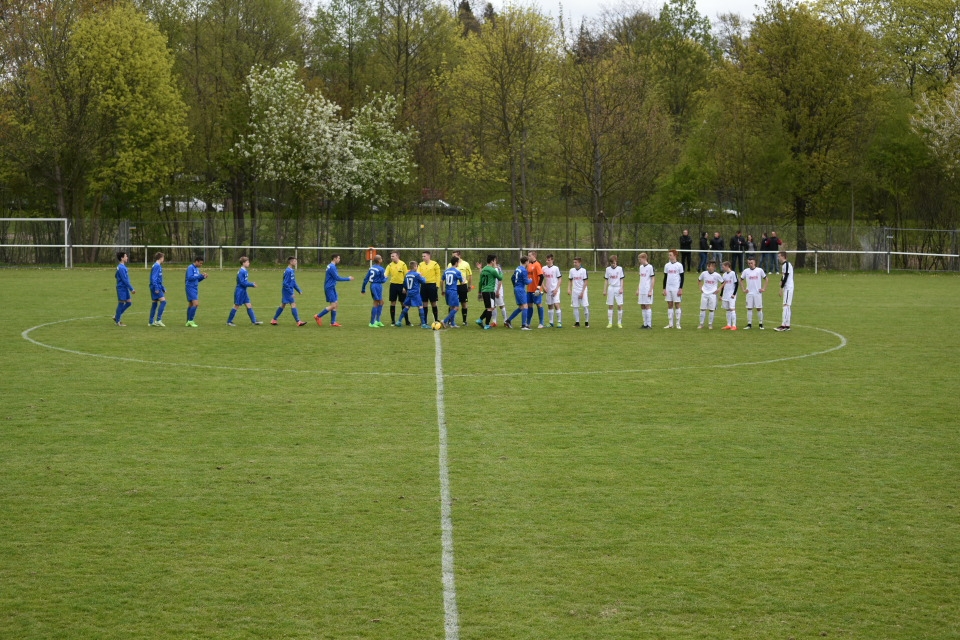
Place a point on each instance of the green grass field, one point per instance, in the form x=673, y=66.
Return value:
x=276, y=482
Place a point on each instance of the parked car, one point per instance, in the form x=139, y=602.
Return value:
x=168, y=203
x=696, y=209
x=440, y=206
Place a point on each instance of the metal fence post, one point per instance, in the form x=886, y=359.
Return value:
x=220, y=251
x=816, y=262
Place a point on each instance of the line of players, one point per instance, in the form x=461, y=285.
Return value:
x=416, y=284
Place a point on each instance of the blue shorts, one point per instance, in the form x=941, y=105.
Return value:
x=286, y=297
x=193, y=294
x=156, y=296
x=534, y=298
x=240, y=296
x=123, y=293
x=520, y=293
x=453, y=298
x=376, y=292
x=331, y=295
x=413, y=300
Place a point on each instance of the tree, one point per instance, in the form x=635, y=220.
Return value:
x=938, y=123
x=808, y=84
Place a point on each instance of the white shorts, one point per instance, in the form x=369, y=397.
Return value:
x=729, y=305
x=577, y=302
x=708, y=301
x=673, y=295
x=498, y=302
x=553, y=298
x=615, y=296
x=754, y=301
x=645, y=297
x=788, y=297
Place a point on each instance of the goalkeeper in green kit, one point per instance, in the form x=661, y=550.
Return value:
x=489, y=277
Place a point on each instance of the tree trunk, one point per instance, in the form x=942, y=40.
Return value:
x=239, y=228
x=517, y=241
x=800, y=210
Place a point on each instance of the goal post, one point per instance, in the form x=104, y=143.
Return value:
x=35, y=241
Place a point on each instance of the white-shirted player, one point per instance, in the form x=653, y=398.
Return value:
x=577, y=290
x=551, y=285
x=786, y=290
x=755, y=282
x=710, y=281
x=673, y=288
x=645, y=291
x=613, y=290
x=728, y=295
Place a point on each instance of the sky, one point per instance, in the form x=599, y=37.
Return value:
x=574, y=10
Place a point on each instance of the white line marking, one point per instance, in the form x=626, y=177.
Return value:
x=843, y=343
x=451, y=619
x=26, y=336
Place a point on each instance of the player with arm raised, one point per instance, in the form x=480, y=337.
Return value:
x=551, y=282
x=786, y=290
x=286, y=293
x=157, y=291
x=577, y=290
x=645, y=291
x=728, y=291
x=124, y=288
x=330, y=291
x=376, y=276
x=755, y=282
x=613, y=291
x=710, y=281
x=673, y=288
x=192, y=282
x=241, y=297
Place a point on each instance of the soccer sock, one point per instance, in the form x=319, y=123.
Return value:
x=586, y=314
x=733, y=318
x=760, y=315
x=649, y=317
x=703, y=315
x=539, y=312
x=550, y=315
x=253, y=316
x=749, y=316
x=451, y=317
x=279, y=311
x=423, y=315
x=163, y=305
x=373, y=314
x=711, y=317
x=786, y=316
x=463, y=312
x=324, y=312
x=619, y=316
x=609, y=316
x=296, y=314
x=153, y=311
x=379, y=312
x=116, y=316
x=403, y=314
x=669, y=316
x=193, y=313
x=393, y=313
x=576, y=314
x=333, y=316
x=436, y=316
x=233, y=314
x=514, y=314
x=676, y=314
x=559, y=321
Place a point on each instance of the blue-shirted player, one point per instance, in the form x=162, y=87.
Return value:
x=286, y=297
x=411, y=285
x=520, y=280
x=450, y=282
x=376, y=276
x=124, y=288
x=241, y=297
x=157, y=291
x=192, y=281
x=330, y=291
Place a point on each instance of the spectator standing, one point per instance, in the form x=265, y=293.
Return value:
x=704, y=248
x=764, y=247
x=751, y=247
x=738, y=245
x=686, y=249
x=716, y=246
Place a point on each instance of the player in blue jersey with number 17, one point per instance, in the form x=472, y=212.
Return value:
x=451, y=280
x=411, y=285
x=376, y=276
x=330, y=291
x=124, y=288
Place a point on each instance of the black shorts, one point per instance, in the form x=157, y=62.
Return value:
x=429, y=293
x=396, y=293
x=489, y=299
x=463, y=290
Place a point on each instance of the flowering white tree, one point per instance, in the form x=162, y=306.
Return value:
x=938, y=122
x=298, y=137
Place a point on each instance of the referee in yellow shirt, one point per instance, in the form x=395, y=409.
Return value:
x=395, y=271
x=431, y=271
x=463, y=289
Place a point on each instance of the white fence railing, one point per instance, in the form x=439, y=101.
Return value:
x=949, y=261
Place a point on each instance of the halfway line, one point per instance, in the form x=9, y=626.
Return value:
x=451, y=619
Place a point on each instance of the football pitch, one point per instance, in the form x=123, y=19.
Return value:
x=284, y=482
